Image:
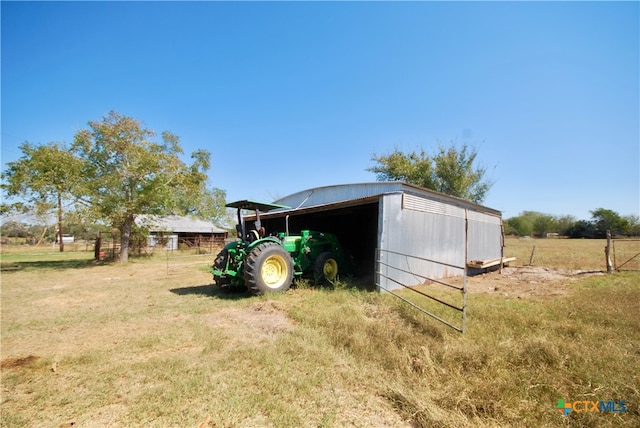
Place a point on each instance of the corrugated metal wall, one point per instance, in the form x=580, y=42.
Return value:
x=430, y=232
x=429, y=238
x=485, y=236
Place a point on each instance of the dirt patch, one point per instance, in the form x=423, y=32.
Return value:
x=259, y=322
x=526, y=281
x=12, y=363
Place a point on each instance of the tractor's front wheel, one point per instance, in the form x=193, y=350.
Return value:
x=268, y=268
x=220, y=263
x=325, y=268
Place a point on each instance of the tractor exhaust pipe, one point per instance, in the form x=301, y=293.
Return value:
x=286, y=223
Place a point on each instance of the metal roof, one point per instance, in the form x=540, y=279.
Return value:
x=335, y=194
x=174, y=223
x=254, y=205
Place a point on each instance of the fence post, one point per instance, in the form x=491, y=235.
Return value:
x=97, y=247
x=533, y=250
x=607, y=252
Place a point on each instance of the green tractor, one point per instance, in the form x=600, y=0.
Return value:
x=269, y=263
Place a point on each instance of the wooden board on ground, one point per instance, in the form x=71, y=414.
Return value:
x=483, y=264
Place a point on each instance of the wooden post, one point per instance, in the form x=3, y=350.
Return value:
x=607, y=252
x=97, y=248
x=60, y=236
x=533, y=250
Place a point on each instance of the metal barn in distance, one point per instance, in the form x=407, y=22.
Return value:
x=400, y=235
x=171, y=232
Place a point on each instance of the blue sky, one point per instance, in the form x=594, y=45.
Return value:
x=288, y=96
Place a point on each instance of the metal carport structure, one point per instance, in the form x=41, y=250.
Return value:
x=394, y=217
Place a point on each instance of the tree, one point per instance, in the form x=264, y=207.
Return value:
x=605, y=219
x=78, y=223
x=127, y=173
x=450, y=170
x=634, y=224
x=564, y=223
x=535, y=223
x=519, y=226
x=582, y=229
x=544, y=224
x=13, y=229
x=602, y=220
x=208, y=203
x=43, y=178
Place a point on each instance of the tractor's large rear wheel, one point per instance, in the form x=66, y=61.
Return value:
x=268, y=268
x=325, y=269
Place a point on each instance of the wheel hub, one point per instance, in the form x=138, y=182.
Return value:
x=330, y=270
x=274, y=272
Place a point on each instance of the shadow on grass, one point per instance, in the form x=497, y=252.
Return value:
x=236, y=293
x=7, y=267
x=212, y=291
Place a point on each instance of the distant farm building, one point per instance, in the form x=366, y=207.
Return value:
x=175, y=232
x=66, y=239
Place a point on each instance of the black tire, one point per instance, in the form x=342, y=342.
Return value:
x=220, y=263
x=325, y=269
x=268, y=269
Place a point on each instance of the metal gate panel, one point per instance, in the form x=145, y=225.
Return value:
x=626, y=254
x=402, y=270
x=421, y=244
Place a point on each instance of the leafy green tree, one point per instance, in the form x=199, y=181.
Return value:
x=414, y=167
x=605, y=219
x=127, y=173
x=450, y=170
x=564, y=223
x=544, y=224
x=519, y=226
x=634, y=224
x=14, y=229
x=208, y=203
x=602, y=220
x=43, y=179
x=79, y=224
x=582, y=229
x=534, y=223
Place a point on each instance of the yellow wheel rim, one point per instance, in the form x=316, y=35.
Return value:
x=274, y=271
x=330, y=270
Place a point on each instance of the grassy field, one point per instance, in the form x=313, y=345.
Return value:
x=580, y=254
x=153, y=345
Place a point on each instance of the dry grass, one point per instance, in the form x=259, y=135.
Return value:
x=578, y=254
x=108, y=345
